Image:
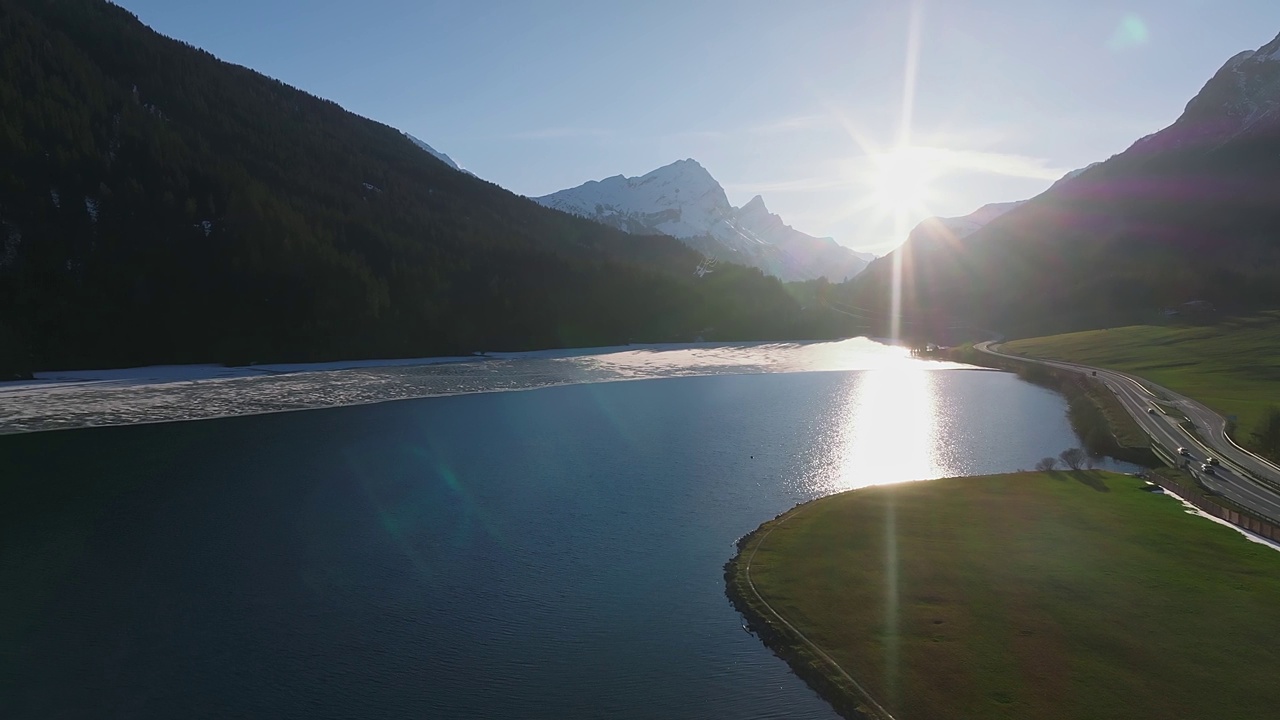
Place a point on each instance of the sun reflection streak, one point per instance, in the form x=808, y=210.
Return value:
x=920, y=432
x=891, y=635
x=891, y=433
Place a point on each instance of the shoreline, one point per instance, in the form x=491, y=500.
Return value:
x=187, y=393
x=6, y=432
x=194, y=372
x=787, y=643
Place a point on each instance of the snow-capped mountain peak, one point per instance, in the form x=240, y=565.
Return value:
x=683, y=200
x=680, y=199
x=1247, y=86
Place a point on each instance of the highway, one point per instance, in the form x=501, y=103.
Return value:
x=1242, y=477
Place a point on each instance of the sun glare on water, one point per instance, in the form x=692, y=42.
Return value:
x=889, y=431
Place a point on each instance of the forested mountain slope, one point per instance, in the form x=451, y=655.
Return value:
x=1189, y=213
x=158, y=205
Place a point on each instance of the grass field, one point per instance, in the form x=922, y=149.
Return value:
x=1232, y=366
x=1034, y=595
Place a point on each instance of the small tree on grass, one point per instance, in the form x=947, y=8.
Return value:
x=1073, y=458
x=1268, y=433
x=1047, y=464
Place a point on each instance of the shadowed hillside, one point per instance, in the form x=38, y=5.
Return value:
x=1189, y=213
x=158, y=205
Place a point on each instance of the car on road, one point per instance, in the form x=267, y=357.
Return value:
x=1184, y=451
x=1206, y=467
x=1151, y=411
x=1212, y=461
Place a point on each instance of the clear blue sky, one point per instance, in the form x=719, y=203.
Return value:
x=781, y=99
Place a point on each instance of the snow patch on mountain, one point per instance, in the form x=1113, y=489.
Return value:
x=437, y=154
x=1236, y=59
x=683, y=200
x=1242, y=95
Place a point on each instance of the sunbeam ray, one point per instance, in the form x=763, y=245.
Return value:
x=904, y=141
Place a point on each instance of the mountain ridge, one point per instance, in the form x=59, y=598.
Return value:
x=442, y=157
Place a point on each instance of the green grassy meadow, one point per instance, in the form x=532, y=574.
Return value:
x=1232, y=366
x=1032, y=595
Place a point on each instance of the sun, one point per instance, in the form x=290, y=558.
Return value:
x=900, y=179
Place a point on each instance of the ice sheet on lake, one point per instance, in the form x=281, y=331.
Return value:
x=190, y=392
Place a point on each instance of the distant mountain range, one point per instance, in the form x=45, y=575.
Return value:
x=965, y=225
x=938, y=230
x=1191, y=212
x=684, y=201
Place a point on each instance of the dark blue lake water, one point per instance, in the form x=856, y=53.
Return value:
x=555, y=553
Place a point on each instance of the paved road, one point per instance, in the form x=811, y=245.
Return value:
x=1237, y=478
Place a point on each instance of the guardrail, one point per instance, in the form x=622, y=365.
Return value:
x=1250, y=453
x=1257, y=526
x=1162, y=453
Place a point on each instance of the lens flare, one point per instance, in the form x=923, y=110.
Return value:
x=1130, y=33
x=904, y=141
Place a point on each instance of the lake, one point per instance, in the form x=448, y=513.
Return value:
x=552, y=553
